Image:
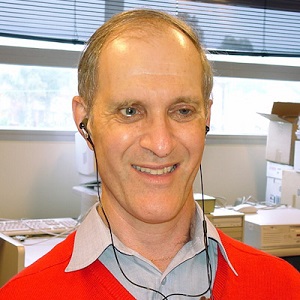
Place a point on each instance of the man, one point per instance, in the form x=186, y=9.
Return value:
x=143, y=107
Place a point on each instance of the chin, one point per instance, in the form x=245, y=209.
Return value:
x=156, y=214
x=158, y=219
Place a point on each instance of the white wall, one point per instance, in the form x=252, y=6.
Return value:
x=36, y=179
x=234, y=167
x=37, y=176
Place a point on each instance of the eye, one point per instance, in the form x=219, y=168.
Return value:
x=129, y=111
x=185, y=111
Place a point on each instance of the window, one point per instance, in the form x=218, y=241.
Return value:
x=36, y=97
x=258, y=27
x=39, y=98
x=237, y=102
x=38, y=81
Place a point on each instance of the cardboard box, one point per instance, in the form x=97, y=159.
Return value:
x=274, y=182
x=297, y=157
x=273, y=191
x=290, y=190
x=281, y=136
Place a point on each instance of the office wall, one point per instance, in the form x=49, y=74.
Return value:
x=234, y=167
x=36, y=179
x=37, y=176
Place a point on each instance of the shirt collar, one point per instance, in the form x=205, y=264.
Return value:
x=93, y=237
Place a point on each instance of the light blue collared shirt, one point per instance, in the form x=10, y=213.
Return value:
x=186, y=274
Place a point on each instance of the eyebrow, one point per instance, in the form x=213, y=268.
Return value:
x=113, y=105
x=188, y=100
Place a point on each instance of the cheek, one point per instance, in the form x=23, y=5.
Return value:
x=113, y=142
x=195, y=148
x=193, y=139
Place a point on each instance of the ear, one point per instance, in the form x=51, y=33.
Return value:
x=79, y=110
x=79, y=114
x=208, y=114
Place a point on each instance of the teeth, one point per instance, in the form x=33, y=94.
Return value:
x=162, y=171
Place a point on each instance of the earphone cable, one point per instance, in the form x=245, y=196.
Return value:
x=208, y=264
x=111, y=235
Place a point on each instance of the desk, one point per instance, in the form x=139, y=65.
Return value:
x=228, y=221
x=276, y=231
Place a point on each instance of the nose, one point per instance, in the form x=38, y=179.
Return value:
x=158, y=137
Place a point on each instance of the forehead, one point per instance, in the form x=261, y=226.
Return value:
x=166, y=49
x=146, y=67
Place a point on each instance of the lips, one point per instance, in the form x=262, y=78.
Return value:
x=161, y=171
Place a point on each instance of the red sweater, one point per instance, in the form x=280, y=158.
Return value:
x=260, y=276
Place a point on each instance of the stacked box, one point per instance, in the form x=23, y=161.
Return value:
x=297, y=156
x=290, y=192
x=274, y=182
x=282, y=151
x=281, y=136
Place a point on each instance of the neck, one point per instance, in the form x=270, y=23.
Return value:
x=162, y=262
x=158, y=243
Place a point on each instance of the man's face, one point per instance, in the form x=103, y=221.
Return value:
x=148, y=125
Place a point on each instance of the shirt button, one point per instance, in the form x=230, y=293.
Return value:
x=164, y=281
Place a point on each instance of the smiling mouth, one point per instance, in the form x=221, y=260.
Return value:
x=161, y=171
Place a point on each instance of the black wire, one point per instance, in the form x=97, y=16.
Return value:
x=208, y=263
x=145, y=287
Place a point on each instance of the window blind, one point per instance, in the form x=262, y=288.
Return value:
x=245, y=27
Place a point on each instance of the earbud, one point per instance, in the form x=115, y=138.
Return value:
x=206, y=129
x=83, y=127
